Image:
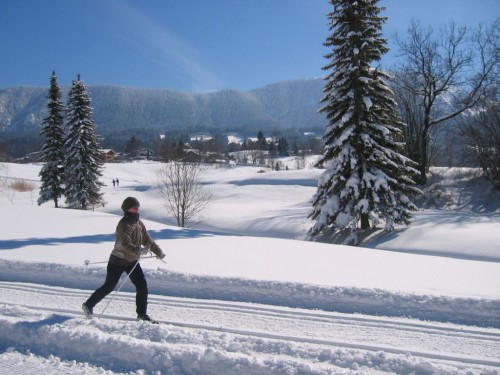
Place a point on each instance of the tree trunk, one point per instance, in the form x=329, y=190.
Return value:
x=423, y=162
x=365, y=222
x=422, y=169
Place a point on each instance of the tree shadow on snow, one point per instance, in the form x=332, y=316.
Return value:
x=52, y=241
x=309, y=182
x=169, y=234
x=163, y=234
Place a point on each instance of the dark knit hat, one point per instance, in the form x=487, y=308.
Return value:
x=129, y=202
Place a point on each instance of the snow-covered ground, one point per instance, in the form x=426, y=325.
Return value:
x=243, y=293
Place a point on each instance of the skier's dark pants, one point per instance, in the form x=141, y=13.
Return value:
x=112, y=278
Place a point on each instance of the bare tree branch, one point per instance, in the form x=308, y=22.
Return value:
x=184, y=196
x=441, y=77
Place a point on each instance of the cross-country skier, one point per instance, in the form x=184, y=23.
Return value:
x=132, y=241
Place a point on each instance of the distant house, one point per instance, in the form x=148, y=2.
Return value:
x=108, y=155
x=144, y=153
x=191, y=155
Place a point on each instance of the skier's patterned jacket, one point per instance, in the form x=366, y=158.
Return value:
x=131, y=234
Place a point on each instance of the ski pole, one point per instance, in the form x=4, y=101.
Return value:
x=123, y=283
x=88, y=262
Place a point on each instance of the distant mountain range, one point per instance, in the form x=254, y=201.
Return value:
x=283, y=105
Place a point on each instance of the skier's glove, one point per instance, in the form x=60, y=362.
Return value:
x=143, y=250
x=161, y=256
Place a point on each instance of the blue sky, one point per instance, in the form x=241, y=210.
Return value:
x=189, y=45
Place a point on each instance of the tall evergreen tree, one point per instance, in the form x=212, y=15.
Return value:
x=52, y=129
x=283, y=147
x=83, y=162
x=366, y=179
x=133, y=145
x=261, y=141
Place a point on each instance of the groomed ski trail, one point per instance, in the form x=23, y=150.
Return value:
x=252, y=331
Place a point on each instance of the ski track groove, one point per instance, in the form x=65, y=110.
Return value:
x=155, y=301
x=272, y=311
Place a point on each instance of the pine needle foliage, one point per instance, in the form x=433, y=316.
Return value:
x=83, y=163
x=366, y=178
x=52, y=129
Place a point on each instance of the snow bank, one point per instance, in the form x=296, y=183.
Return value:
x=471, y=311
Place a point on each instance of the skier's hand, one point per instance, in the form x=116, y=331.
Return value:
x=143, y=250
x=161, y=256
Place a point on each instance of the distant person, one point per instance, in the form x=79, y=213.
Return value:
x=132, y=241
x=117, y=182
x=114, y=182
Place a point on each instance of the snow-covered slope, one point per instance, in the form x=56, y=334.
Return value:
x=243, y=293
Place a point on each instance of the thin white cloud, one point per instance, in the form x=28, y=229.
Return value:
x=159, y=45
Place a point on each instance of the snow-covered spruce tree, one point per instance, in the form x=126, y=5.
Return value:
x=52, y=129
x=83, y=163
x=366, y=179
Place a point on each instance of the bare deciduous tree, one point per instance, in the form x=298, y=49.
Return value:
x=481, y=130
x=441, y=76
x=184, y=196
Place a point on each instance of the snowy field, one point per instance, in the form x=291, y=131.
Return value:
x=243, y=293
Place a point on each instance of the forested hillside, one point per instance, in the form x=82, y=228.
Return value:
x=284, y=105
